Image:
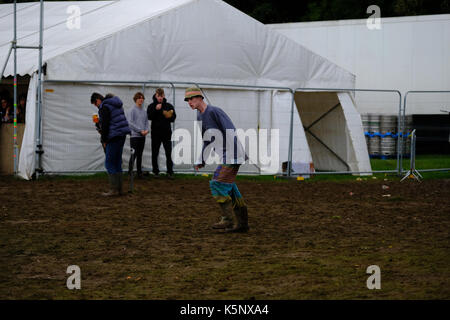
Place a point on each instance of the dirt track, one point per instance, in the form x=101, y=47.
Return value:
x=310, y=240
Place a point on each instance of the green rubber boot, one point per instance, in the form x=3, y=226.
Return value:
x=226, y=220
x=112, y=186
x=241, y=224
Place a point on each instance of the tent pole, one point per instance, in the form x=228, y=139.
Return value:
x=258, y=127
x=15, y=87
x=291, y=133
x=39, y=96
x=403, y=131
x=400, y=138
x=173, y=103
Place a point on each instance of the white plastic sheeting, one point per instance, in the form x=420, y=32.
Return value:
x=27, y=151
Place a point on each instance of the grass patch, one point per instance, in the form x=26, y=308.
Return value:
x=422, y=162
x=256, y=178
x=434, y=161
x=426, y=161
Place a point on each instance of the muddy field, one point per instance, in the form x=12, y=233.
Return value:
x=308, y=240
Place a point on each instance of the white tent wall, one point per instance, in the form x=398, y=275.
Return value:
x=357, y=153
x=407, y=53
x=335, y=130
x=75, y=146
x=70, y=141
x=281, y=115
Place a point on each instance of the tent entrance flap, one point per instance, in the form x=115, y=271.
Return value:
x=307, y=129
x=329, y=125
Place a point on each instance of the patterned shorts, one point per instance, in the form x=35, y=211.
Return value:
x=223, y=187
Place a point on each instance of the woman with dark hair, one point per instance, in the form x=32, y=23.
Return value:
x=5, y=110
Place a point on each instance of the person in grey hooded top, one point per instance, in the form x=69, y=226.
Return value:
x=138, y=122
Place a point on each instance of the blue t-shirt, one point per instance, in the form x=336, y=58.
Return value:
x=216, y=118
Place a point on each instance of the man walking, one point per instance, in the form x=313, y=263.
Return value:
x=161, y=114
x=223, y=187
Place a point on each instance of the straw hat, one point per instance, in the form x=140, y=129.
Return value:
x=192, y=92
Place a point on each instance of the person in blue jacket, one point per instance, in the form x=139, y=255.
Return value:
x=114, y=129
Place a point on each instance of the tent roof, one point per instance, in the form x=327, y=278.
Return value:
x=176, y=40
x=353, y=22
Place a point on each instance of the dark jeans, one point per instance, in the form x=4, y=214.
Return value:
x=138, y=144
x=113, y=157
x=156, y=144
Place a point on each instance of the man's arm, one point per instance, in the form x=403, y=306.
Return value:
x=151, y=112
x=223, y=121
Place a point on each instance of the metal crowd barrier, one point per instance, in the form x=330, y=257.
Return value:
x=404, y=116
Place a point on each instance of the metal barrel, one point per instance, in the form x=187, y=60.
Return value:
x=388, y=125
x=365, y=122
x=374, y=128
x=407, y=135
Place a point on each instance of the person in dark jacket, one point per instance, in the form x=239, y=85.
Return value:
x=161, y=114
x=21, y=109
x=114, y=129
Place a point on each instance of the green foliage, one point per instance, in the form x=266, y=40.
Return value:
x=282, y=11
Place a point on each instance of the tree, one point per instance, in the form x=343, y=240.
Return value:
x=268, y=11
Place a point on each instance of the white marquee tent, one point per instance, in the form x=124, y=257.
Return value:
x=189, y=41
